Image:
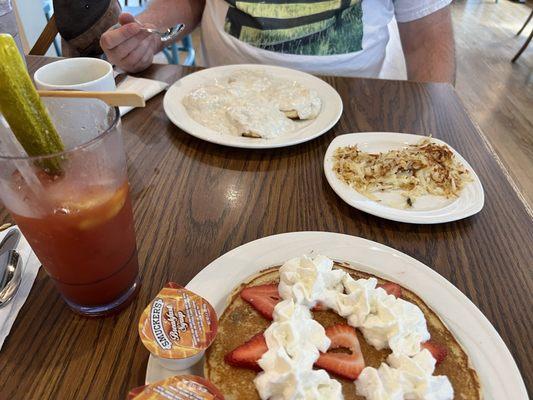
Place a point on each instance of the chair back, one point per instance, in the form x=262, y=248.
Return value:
x=46, y=38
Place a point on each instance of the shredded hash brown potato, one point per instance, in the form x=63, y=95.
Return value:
x=417, y=170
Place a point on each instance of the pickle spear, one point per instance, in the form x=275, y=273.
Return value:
x=21, y=106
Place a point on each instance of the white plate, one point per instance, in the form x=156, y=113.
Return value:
x=176, y=112
x=427, y=209
x=500, y=378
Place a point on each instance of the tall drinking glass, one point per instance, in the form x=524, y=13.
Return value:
x=79, y=221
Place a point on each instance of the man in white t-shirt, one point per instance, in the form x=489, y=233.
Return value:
x=329, y=37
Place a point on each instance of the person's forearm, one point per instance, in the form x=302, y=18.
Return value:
x=429, y=48
x=166, y=13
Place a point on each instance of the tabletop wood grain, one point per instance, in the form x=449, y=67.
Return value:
x=194, y=201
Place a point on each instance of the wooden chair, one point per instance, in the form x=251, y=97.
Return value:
x=525, y=23
x=47, y=8
x=46, y=38
x=524, y=46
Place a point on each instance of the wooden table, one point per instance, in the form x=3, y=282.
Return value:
x=194, y=201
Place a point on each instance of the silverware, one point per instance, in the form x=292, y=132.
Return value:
x=12, y=276
x=10, y=241
x=9, y=260
x=167, y=35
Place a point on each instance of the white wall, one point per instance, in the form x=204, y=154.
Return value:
x=31, y=23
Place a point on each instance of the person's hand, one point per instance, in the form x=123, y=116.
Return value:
x=129, y=47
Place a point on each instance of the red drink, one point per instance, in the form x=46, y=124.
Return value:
x=79, y=222
x=92, y=256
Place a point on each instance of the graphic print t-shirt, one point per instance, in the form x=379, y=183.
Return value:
x=333, y=37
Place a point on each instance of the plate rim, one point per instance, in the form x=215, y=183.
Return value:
x=371, y=246
x=405, y=216
x=217, y=138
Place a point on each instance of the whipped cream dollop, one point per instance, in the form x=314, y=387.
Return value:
x=384, y=320
x=307, y=280
x=294, y=340
x=404, y=378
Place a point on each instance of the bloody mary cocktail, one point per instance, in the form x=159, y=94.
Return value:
x=88, y=248
x=78, y=220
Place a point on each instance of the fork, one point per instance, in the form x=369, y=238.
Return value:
x=167, y=35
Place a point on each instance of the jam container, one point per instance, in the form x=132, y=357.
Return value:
x=179, y=387
x=177, y=327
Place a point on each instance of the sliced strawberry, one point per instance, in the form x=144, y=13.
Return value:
x=263, y=298
x=341, y=335
x=392, y=288
x=437, y=350
x=345, y=365
x=248, y=354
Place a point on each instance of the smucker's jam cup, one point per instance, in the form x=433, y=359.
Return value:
x=177, y=387
x=177, y=327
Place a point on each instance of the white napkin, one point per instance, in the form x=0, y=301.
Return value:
x=148, y=88
x=30, y=267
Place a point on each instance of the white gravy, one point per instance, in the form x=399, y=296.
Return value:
x=253, y=103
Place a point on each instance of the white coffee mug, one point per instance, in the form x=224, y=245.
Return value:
x=82, y=73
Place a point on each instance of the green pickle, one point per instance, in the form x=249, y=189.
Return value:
x=23, y=109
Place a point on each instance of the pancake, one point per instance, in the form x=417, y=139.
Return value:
x=240, y=322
